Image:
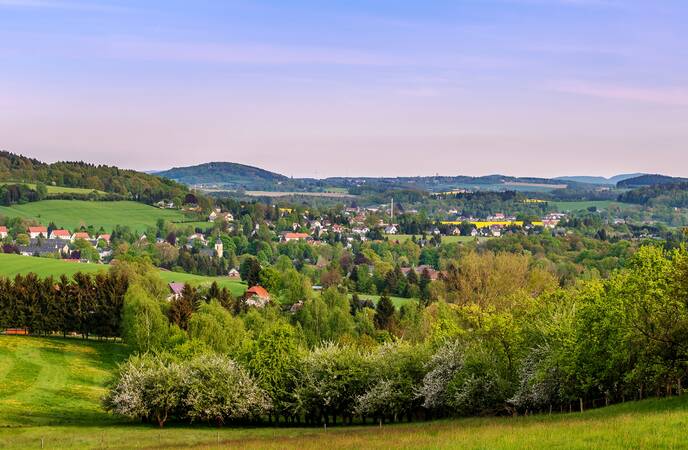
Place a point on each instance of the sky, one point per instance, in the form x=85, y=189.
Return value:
x=350, y=88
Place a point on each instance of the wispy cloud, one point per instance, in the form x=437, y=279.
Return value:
x=668, y=96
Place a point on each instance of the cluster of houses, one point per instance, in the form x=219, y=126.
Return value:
x=43, y=242
x=494, y=225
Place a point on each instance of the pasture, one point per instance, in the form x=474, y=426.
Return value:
x=583, y=205
x=11, y=265
x=58, y=189
x=72, y=214
x=50, y=390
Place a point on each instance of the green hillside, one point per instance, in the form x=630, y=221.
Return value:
x=58, y=189
x=231, y=175
x=50, y=392
x=73, y=214
x=11, y=265
x=126, y=184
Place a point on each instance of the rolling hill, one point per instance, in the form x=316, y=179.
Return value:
x=649, y=180
x=225, y=174
x=85, y=178
x=72, y=214
x=232, y=176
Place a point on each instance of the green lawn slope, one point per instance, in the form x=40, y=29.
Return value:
x=11, y=265
x=50, y=391
x=73, y=214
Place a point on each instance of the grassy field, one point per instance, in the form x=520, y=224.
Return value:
x=11, y=265
x=50, y=392
x=398, y=301
x=73, y=214
x=201, y=225
x=58, y=189
x=601, y=205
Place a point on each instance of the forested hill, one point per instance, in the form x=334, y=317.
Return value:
x=119, y=183
x=226, y=173
x=674, y=195
x=649, y=180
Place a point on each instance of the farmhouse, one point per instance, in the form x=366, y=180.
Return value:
x=391, y=229
x=60, y=234
x=35, y=232
x=287, y=236
x=256, y=296
x=3, y=232
x=218, y=214
x=81, y=235
x=233, y=273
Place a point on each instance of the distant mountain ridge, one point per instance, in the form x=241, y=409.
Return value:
x=234, y=176
x=600, y=180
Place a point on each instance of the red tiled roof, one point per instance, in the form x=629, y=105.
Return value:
x=3, y=229
x=295, y=235
x=60, y=233
x=105, y=237
x=81, y=235
x=38, y=230
x=258, y=291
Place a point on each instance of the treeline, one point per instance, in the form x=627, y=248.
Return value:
x=11, y=194
x=128, y=184
x=674, y=195
x=501, y=340
x=14, y=193
x=86, y=304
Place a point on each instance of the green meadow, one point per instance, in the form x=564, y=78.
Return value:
x=11, y=265
x=582, y=205
x=58, y=189
x=72, y=214
x=50, y=391
x=398, y=301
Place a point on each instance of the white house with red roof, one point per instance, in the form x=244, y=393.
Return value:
x=256, y=296
x=60, y=234
x=81, y=235
x=104, y=237
x=3, y=232
x=36, y=232
x=287, y=236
